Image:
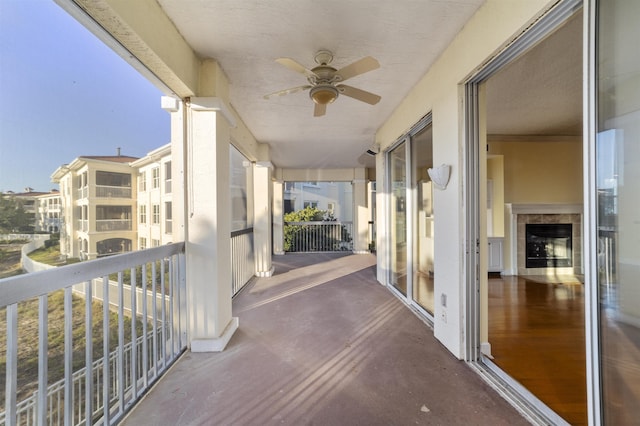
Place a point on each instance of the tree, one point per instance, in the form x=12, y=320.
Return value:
x=13, y=217
x=310, y=229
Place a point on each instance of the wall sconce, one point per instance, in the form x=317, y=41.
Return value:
x=440, y=175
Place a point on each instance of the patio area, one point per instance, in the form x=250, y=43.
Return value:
x=322, y=342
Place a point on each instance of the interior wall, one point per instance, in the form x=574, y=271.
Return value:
x=544, y=171
x=441, y=91
x=495, y=172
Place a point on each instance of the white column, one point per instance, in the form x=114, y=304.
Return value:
x=262, y=191
x=278, y=218
x=208, y=213
x=175, y=108
x=360, y=214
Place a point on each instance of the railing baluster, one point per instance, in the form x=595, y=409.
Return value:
x=68, y=356
x=163, y=348
x=106, y=377
x=43, y=352
x=145, y=320
x=172, y=280
x=120, y=375
x=134, y=335
x=11, y=366
x=154, y=313
x=88, y=353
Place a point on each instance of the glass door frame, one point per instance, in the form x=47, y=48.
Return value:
x=411, y=213
x=511, y=390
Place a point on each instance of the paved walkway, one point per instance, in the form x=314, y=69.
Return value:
x=322, y=343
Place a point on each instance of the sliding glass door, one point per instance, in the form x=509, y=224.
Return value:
x=618, y=208
x=411, y=216
x=398, y=226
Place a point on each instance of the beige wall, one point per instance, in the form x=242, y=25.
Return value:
x=541, y=172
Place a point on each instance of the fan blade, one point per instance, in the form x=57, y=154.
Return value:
x=288, y=91
x=320, y=110
x=294, y=66
x=361, y=95
x=358, y=67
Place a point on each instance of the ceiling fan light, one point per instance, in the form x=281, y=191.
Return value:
x=323, y=95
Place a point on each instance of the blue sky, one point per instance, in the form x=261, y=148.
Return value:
x=63, y=94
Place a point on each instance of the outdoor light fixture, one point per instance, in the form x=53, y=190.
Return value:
x=323, y=94
x=440, y=175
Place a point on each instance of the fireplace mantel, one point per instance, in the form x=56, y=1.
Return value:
x=514, y=210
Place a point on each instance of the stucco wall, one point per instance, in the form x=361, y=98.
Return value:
x=441, y=91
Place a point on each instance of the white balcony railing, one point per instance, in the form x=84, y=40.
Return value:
x=157, y=326
x=242, y=258
x=325, y=236
x=105, y=225
x=83, y=225
x=104, y=191
x=82, y=193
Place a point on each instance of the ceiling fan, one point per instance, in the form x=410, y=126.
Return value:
x=325, y=82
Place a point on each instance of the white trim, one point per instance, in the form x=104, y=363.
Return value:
x=266, y=274
x=265, y=164
x=213, y=104
x=544, y=208
x=218, y=344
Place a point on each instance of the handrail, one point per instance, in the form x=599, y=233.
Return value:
x=241, y=232
x=21, y=287
x=154, y=301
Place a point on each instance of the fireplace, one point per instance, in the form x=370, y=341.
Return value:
x=555, y=251
x=548, y=245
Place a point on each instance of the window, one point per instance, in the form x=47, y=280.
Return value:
x=155, y=243
x=155, y=177
x=167, y=177
x=142, y=182
x=143, y=214
x=143, y=243
x=156, y=214
x=312, y=204
x=167, y=218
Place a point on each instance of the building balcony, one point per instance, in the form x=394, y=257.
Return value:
x=319, y=342
x=104, y=191
x=109, y=225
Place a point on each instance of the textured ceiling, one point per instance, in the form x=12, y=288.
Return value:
x=245, y=37
x=541, y=92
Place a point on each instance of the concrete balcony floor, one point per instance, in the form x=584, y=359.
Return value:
x=322, y=342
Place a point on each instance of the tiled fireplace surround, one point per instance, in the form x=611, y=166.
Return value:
x=522, y=214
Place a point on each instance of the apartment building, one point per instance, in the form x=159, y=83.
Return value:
x=153, y=197
x=48, y=212
x=42, y=208
x=98, y=204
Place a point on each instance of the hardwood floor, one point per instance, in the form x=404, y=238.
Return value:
x=537, y=336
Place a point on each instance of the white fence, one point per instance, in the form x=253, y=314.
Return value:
x=29, y=264
x=320, y=236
